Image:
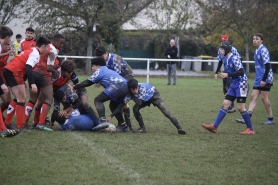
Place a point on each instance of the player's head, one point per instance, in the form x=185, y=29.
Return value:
x=5, y=33
x=258, y=39
x=42, y=44
x=6, y=46
x=58, y=41
x=67, y=68
x=225, y=48
x=172, y=42
x=133, y=86
x=97, y=62
x=18, y=37
x=59, y=96
x=224, y=38
x=101, y=52
x=30, y=33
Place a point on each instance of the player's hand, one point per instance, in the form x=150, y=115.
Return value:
x=215, y=76
x=4, y=88
x=97, y=85
x=108, y=118
x=262, y=84
x=223, y=75
x=34, y=88
x=62, y=113
x=9, y=52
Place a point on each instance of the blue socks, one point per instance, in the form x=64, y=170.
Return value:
x=221, y=115
x=247, y=119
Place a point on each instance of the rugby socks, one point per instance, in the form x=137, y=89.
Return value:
x=10, y=112
x=19, y=110
x=28, y=110
x=221, y=115
x=247, y=119
x=37, y=115
x=2, y=125
x=44, y=111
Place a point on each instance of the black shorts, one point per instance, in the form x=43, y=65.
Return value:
x=42, y=80
x=267, y=87
x=13, y=79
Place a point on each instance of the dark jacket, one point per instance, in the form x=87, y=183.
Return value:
x=172, y=52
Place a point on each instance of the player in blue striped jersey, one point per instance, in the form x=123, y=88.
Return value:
x=144, y=94
x=115, y=91
x=263, y=80
x=222, y=60
x=237, y=90
x=118, y=64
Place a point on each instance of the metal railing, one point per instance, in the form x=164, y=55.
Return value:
x=149, y=60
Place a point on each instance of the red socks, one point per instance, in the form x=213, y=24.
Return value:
x=44, y=111
x=10, y=112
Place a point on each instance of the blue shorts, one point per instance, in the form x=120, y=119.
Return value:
x=117, y=92
x=238, y=89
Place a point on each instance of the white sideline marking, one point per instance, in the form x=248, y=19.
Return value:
x=113, y=162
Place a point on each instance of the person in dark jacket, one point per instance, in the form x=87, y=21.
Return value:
x=171, y=53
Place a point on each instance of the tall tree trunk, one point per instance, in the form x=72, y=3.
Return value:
x=88, y=69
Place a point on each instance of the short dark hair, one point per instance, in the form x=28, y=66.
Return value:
x=42, y=41
x=18, y=36
x=60, y=119
x=100, y=50
x=58, y=36
x=259, y=35
x=30, y=29
x=98, y=61
x=5, y=32
x=59, y=95
x=67, y=66
x=132, y=84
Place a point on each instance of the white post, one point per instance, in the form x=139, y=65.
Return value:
x=148, y=70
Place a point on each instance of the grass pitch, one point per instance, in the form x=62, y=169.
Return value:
x=160, y=156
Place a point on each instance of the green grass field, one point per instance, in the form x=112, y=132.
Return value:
x=160, y=156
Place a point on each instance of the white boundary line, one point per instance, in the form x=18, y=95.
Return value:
x=111, y=161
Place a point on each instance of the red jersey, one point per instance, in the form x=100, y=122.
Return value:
x=3, y=63
x=17, y=64
x=45, y=60
x=26, y=44
x=60, y=81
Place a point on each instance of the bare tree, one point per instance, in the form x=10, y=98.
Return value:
x=238, y=16
x=10, y=9
x=84, y=16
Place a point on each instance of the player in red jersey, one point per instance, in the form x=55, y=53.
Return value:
x=29, y=41
x=14, y=73
x=5, y=93
x=43, y=73
x=5, y=36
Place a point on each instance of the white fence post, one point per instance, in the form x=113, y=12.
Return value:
x=148, y=70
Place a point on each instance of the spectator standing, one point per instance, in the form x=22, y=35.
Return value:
x=171, y=53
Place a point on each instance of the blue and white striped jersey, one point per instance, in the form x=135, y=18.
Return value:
x=262, y=57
